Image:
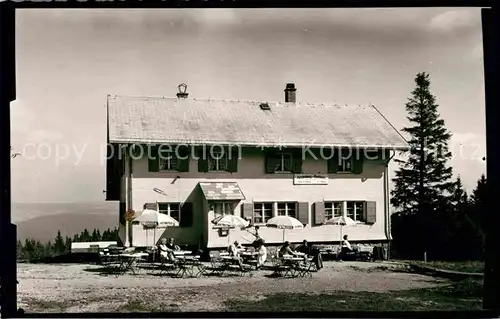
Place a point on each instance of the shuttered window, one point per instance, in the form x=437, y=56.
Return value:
x=356, y=211
x=283, y=162
x=359, y=211
x=347, y=161
x=333, y=209
x=218, y=160
x=173, y=159
x=171, y=209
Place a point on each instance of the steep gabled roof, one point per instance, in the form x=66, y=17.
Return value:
x=203, y=121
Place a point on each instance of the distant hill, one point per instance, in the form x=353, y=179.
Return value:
x=42, y=221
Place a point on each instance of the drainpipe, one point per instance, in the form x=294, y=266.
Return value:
x=387, y=224
x=128, y=234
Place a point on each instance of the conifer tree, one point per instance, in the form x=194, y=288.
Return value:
x=424, y=179
x=59, y=245
x=478, y=203
x=423, y=184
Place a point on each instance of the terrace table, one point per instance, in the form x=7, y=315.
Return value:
x=186, y=264
x=182, y=252
x=250, y=258
x=229, y=263
x=129, y=261
x=299, y=265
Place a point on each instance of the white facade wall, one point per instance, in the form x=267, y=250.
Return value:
x=258, y=186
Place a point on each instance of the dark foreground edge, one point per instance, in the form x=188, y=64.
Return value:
x=352, y=314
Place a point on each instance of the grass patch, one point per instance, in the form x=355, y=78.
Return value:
x=46, y=305
x=458, y=296
x=462, y=266
x=141, y=306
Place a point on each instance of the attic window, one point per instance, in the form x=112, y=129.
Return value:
x=265, y=106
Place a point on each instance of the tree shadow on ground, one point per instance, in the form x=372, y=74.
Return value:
x=457, y=296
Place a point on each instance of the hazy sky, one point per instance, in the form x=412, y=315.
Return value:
x=68, y=60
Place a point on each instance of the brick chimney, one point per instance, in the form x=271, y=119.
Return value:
x=290, y=92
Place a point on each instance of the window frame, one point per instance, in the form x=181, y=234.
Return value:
x=282, y=156
x=262, y=205
x=356, y=214
x=162, y=160
x=217, y=160
x=332, y=209
x=224, y=206
x=286, y=208
x=342, y=163
x=169, y=210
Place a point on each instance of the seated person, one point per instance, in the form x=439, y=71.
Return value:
x=234, y=252
x=309, y=250
x=171, y=245
x=261, y=255
x=258, y=242
x=346, y=247
x=165, y=250
x=287, y=250
x=234, y=249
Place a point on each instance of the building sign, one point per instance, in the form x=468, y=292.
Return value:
x=310, y=179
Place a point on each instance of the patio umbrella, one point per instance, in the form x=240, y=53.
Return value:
x=342, y=221
x=284, y=222
x=152, y=219
x=230, y=221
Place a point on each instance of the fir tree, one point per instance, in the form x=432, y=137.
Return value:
x=59, y=245
x=423, y=184
x=93, y=237
x=423, y=180
x=85, y=236
x=49, y=249
x=67, y=244
x=478, y=203
x=459, y=198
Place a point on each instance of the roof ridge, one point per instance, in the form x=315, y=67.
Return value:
x=272, y=103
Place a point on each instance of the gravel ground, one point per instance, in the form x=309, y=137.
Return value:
x=76, y=288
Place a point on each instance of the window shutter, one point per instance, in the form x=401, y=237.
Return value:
x=371, y=212
x=122, y=209
x=113, y=175
x=187, y=215
x=333, y=163
x=303, y=212
x=152, y=206
x=183, y=161
x=153, y=159
x=271, y=161
x=247, y=211
x=297, y=162
x=319, y=213
x=357, y=167
x=202, y=161
x=232, y=163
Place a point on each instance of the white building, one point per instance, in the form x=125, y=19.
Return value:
x=271, y=165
